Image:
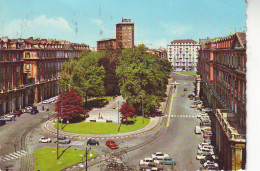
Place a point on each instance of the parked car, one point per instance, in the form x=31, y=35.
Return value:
x=168, y=161
x=207, y=146
x=34, y=110
x=207, y=134
x=44, y=140
x=210, y=163
x=8, y=118
x=206, y=128
x=203, y=156
x=205, y=150
x=63, y=140
x=207, y=158
x=202, y=124
x=149, y=166
x=197, y=130
x=2, y=121
x=159, y=156
x=207, y=110
x=185, y=89
x=202, y=115
x=192, y=105
x=92, y=142
x=148, y=160
x=111, y=144
x=203, y=144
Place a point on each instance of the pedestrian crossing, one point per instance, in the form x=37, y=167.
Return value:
x=14, y=155
x=181, y=116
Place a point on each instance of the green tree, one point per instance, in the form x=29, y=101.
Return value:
x=110, y=62
x=142, y=77
x=85, y=76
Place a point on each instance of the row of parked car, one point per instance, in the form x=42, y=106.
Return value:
x=205, y=152
x=156, y=161
x=51, y=100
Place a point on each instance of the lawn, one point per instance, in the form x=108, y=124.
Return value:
x=105, y=128
x=46, y=158
x=187, y=73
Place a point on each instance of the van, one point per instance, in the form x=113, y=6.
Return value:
x=197, y=130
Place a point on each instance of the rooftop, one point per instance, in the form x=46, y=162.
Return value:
x=186, y=41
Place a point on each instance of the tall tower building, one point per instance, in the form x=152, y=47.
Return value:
x=125, y=34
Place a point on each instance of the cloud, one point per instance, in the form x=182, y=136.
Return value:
x=156, y=44
x=176, y=29
x=41, y=26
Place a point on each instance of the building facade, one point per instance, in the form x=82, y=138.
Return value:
x=125, y=34
x=183, y=54
x=106, y=44
x=30, y=68
x=161, y=53
x=222, y=79
x=124, y=37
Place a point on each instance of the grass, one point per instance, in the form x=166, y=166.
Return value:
x=104, y=128
x=46, y=158
x=187, y=72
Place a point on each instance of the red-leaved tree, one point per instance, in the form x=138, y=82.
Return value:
x=126, y=111
x=69, y=105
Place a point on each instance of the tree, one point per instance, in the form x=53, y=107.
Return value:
x=126, y=111
x=69, y=105
x=143, y=77
x=110, y=63
x=85, y=75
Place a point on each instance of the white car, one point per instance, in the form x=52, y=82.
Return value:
x=207, y=146
x=192, y=106
x=202, y=145
x=210, y=163
x=205, y=150
x=148, y=160
x=207, y=110
x=159, y=156
x=202, y=115
x=45, y=102
x=44, y=140
x=203, y=156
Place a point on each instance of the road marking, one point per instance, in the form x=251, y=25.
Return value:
x=16, y=154
x=13, y=156
x=168, y=122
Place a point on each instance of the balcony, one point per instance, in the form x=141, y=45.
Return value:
x=230, y=125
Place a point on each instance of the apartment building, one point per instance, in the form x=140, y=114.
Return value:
x=183, y=54
x=222, y=80
x=30, y=68
x=106, y=44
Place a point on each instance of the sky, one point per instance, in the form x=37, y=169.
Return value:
x=157, y=22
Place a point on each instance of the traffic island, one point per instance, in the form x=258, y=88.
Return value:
x=46, y=158
x=105, y=127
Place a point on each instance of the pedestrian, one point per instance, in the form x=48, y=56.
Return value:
x=42, y=107
x=47, y=108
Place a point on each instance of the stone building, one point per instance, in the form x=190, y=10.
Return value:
x=222, y=80
x=30, y=68
x=183, y=54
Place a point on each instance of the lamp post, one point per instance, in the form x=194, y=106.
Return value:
x=118, y=116
x=143, y=110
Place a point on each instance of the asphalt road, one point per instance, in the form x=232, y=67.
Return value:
x=179, y=140
x=13, y=142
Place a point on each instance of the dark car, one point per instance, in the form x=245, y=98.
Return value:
x=92, y=142
x=185, y=89
x=2, y=121
x=34, y=110
x=207, y=158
